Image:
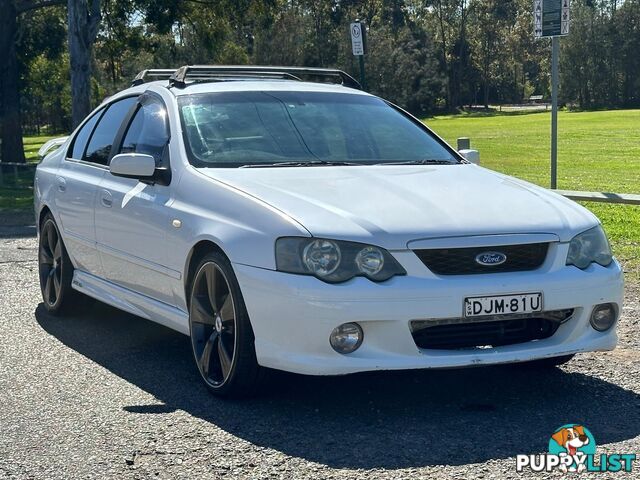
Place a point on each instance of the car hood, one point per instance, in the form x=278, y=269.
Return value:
x=393, y=205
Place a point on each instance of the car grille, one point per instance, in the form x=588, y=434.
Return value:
x=495, y=331
x=462, y=261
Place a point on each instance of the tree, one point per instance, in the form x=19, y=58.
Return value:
x=83, y=22
x=448, y=20
x=491, y=18
x=425, y=55
x=44, y=68
x=10, y=118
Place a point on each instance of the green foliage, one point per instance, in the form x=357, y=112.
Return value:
x=44, y=77
x=44, y=68
x=403, y=70
x=600, y=60
x=42, y=32
x=425, y=55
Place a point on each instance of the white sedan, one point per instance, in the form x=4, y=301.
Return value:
x=308, y=226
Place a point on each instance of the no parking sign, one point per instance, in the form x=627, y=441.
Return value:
x=358, y=42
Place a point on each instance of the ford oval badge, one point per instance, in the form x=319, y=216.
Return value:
x=488, y=259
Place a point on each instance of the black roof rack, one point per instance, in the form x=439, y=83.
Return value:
x=152, y=74
x=212, y=73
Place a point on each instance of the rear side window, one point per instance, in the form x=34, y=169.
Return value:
x=80, y=142
x=105, y=132
x=148, y=132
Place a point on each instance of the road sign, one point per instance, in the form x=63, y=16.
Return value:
x=357, y=38
x=550, y=18
x=358, y=32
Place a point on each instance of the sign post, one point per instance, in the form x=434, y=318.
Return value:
x=555, y=48
x=551, y=19
x=359, y=46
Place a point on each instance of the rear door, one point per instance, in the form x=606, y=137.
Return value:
x=132, y=217
x=77, y=183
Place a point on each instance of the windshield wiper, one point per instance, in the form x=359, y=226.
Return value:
x=424, y=161
x=310, y=163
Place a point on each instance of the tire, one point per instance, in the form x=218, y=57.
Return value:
x=549, y=362
x=222, y=339
x=55, y=270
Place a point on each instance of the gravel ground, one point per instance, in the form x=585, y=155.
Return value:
x=104, y=394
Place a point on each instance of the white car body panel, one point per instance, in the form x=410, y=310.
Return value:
x=384, y=313
x=130, y=217
x=393, y=205
x=135, y=253
x=130, y=301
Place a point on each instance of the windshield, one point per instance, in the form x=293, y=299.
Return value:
x=235, y=129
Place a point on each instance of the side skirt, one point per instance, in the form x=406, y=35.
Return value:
x=131, y=302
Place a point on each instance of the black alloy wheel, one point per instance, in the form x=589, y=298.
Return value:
x=55, y=270
x=221, y=336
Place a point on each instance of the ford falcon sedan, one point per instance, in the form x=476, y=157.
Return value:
x=285, y=219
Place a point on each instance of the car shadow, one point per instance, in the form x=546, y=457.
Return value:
x=373, y=420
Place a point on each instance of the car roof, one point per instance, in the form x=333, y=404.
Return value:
x=239, y=86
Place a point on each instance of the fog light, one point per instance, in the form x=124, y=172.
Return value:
x=603, y=316
x=346, y=338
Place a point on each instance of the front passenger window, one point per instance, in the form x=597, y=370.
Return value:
x=105, y=132
x=148, y=132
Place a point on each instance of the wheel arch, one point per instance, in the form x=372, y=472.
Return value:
x=197, y=252
x=43, y=212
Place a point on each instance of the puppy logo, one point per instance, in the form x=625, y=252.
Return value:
x=574, y=442
x=572, y=448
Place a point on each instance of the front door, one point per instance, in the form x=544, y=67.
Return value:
x=132, y=217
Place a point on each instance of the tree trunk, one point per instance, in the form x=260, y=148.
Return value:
x=486, y=95
x=485, y=73
x=83, y=19
x=445, y=63
x=462, y=62
x=12, y=149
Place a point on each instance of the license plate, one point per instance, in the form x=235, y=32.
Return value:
x=503, y=304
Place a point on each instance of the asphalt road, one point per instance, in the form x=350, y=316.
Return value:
x=103, y=394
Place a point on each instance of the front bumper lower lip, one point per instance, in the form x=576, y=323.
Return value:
x=292, y=317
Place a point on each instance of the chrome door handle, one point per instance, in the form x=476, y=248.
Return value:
x=106, y=199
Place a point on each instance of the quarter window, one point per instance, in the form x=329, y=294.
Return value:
x=80, y=142
x=105, y=132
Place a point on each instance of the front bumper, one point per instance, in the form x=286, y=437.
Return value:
x=293, y=315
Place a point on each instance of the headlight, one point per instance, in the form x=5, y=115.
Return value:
x=322, y=257
x=334, y=260
x=590, y=247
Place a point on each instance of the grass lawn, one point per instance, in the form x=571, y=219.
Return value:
x=15, y=198
x=597, y=151
x=17, y=193
x=33, y=144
